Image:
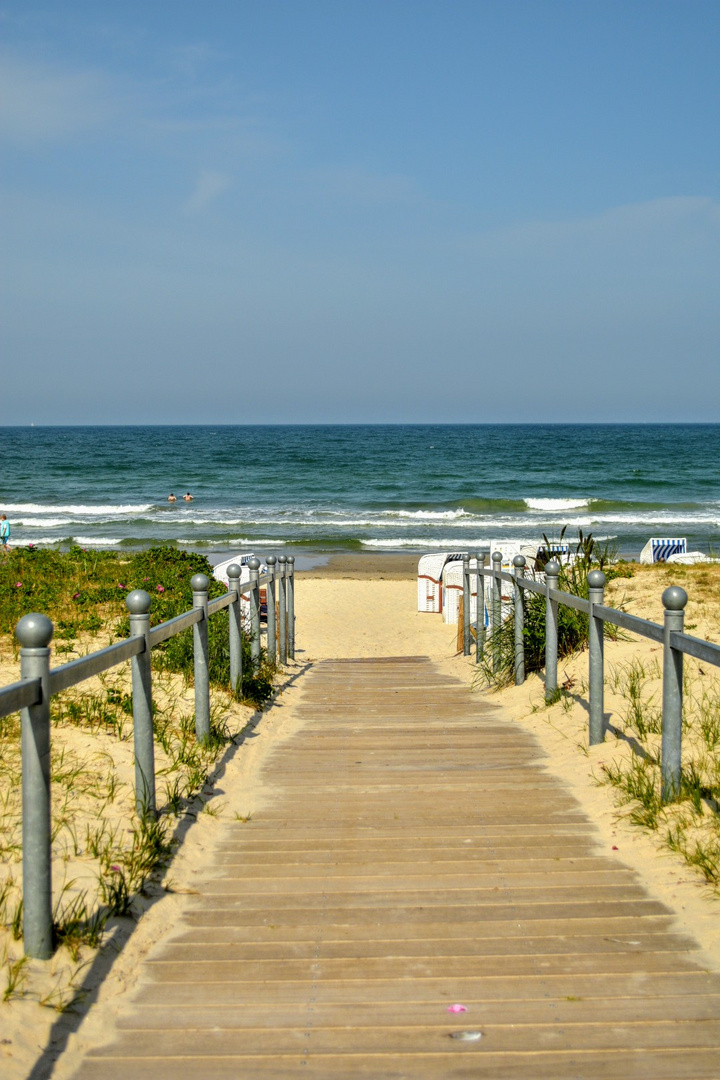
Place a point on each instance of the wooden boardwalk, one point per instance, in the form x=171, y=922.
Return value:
x=416, y=854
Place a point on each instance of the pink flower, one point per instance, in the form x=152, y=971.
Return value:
x=146, y=579
x=161, y=588
x=30, y=547
x=116, y=869
x=18, y=584
x=121, y=586
x=75, y=595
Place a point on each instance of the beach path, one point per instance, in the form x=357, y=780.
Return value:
x=414, y=853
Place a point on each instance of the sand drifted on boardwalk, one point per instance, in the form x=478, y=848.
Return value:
x=355, y=606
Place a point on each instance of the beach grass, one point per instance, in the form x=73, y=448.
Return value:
x=104, y=853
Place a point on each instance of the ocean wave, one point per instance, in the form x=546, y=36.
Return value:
x=555, y=504
x=97, y=541
x=428, y=515
x=235, y=541
x=425, y=542
x=73, y=508
x=42, y=523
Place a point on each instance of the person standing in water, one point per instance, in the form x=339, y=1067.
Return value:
x=188, y=497
x=171, y=497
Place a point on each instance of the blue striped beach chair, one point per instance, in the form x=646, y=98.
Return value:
x=658, y=549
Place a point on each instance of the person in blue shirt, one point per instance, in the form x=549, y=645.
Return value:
x=4, y=533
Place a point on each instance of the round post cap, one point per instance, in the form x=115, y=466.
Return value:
x=596, y=579
x=138, y=602
x=271, y=560
x=34, y=631
x=497, y=556
x=234, y=571
x=552, y=567
x=282, y=558
x=291, y=559
x=199, y=583
x=254, y=564
x=674, y=598
x=519, y=561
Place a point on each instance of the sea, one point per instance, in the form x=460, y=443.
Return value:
x=360, y=488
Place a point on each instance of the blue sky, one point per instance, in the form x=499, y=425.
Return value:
x=359, y=211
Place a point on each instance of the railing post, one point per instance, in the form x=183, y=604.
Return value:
x=674, y=600
x=34, y=632
x=290, y=594
x=254, y=568
x=466, y=604
x=271, y=621
x=596, y=594
x=519, y=612
x=200, y=584
x=234, y=573
x=138, y=604
x=480, y=578
x=282, y=610
x=552, y=571
x=496, y=609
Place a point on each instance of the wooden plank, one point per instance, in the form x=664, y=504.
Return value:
x=463, y=1064
x=414, y=851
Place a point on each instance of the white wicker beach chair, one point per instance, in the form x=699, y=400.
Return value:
x=429, y=582
x=220, y=573
x=452, y=587
x=659, y=549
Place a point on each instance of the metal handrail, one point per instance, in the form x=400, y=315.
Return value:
x=33, y=694
x=19, y=695
x=78, y=670
x=670, y=635
x=165, y=630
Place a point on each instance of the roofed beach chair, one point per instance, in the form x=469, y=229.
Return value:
x=659, y=549
x=220, y=573
x=429, y=582
x=508, y=549
x=452, y=590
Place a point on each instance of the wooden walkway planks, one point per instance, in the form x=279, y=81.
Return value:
x=416, y=854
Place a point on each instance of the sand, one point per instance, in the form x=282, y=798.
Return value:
x=355, y=606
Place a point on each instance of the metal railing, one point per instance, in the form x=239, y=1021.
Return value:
x=39, y=682
x=670, y=635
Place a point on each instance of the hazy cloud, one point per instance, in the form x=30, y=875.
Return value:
x=365, y=187
x=39, y=103
x=210, y=185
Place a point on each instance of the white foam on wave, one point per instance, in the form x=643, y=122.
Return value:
x=422, y=542
x=73, y=508
x=428, y=515
x=322, y=519
x=235, y=541
x=556, y=504
x=32, y=541
x=42, y=523
x=97, y=541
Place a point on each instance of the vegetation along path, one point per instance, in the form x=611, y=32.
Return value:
x=415, y=855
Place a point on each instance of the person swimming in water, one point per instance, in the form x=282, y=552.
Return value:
x=171, y=497
x=188, y=497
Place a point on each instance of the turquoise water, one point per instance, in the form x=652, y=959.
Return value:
x=369, y=488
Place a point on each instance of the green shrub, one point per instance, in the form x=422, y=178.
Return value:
x=86, y=590
x=572, y=625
